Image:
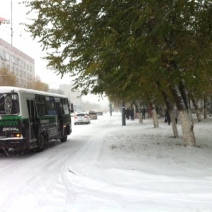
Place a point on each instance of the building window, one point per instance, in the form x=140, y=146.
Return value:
x=16, y=60
x=12, y=59
x=7, y=55
x=8, y=67
x=19, y=62
x=2, y=54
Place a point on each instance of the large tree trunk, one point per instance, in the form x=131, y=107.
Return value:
x=174, y=125
x=170, y=108
x=140, y=120
x=138, y=111
x=184, y=94
x=205, y=108
x=187, y=129
x=154, y=116
x=185, y=118
x=198, y=113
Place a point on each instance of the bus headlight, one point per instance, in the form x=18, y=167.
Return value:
x=18, y=135
x=15, y=135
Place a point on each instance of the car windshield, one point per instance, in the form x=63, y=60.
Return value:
x=9, y=104
x=81, y=114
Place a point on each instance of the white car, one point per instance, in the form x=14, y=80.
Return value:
x=81, y=118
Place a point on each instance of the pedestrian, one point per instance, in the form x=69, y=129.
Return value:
x=167, y=117
x=143, y=113
x=127, y=113
x=132, y=114
x=175, y=114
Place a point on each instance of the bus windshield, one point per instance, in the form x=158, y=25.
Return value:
x=9, y=104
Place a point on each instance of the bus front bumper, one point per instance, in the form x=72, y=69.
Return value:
x=14, y=143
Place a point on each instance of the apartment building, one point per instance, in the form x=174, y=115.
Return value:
x=16, y=61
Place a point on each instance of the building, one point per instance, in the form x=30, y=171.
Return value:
x=74, y=96
x=19, y=63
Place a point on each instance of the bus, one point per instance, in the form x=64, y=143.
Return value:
x=29, y=119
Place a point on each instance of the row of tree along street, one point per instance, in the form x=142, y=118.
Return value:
x=8, y=78
x=152, y=51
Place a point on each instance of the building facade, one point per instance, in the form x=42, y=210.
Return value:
x=17, y=62
x=74, y=96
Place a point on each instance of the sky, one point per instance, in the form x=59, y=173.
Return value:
x=107, y=167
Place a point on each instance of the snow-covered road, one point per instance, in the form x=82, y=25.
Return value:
x=38, y=180
x=108, y=167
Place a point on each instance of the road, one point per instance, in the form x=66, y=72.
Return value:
x=108, y=167
x=35, y=179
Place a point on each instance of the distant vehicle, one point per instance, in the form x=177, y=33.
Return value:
x=99, y=113
x=81, y=118
x=93, y=115
x=30, y=118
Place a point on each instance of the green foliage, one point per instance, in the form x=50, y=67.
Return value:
x=122, y=48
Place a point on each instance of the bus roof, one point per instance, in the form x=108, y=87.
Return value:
x=25, y=90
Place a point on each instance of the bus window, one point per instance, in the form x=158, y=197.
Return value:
x=41, y=105
x=9, y=103
x=65, y=106
x=50, y=105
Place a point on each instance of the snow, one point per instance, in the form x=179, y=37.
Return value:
x=105, y=167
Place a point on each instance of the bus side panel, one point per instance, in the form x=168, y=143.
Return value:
x=49, y=124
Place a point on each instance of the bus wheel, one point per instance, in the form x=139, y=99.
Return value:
x=64, y=137
x=41, y=143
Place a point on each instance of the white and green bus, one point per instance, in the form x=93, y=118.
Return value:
x=30, y=118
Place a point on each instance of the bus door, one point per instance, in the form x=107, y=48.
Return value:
x=33, y=124
x=58, y=109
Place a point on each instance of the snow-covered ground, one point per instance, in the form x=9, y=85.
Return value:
x=108, y=167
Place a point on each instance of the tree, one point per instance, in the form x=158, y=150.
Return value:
x=37, y=84
x=111, y=45
x=7, y=78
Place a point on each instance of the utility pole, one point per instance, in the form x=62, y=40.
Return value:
x=11, y=22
